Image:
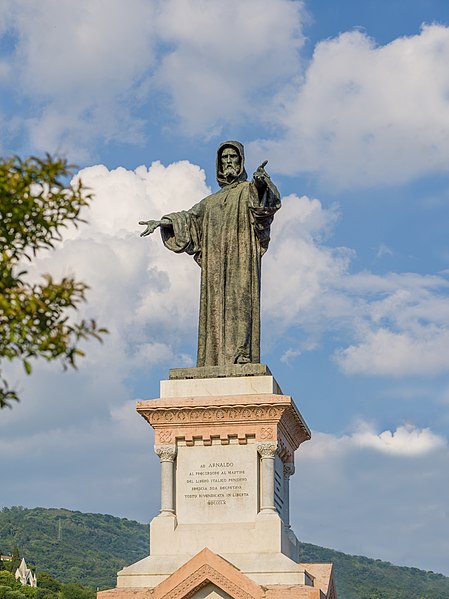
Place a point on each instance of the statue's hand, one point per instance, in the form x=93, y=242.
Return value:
x=261, y=176
x=152, y=225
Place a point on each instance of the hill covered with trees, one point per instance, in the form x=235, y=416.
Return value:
x=90, y=548
x=72, y=546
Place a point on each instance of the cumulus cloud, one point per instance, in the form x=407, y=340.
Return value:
x=407, y=441
x=367, y=114
x=299, y=266
x=89, y=68
x=419, y=350
x=391, y=325
x=137, y=286
x=352, y=492
x=357, y=114
x=232, y=57
x=400, y=327
x=83, y=65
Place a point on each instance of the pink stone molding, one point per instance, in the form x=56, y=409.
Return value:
x=227, y=419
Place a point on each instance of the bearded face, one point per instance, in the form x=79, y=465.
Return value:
x=230, y=162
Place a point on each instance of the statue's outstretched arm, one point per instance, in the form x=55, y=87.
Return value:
x=152, y=225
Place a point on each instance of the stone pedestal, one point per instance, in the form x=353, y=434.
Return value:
x=226, y=445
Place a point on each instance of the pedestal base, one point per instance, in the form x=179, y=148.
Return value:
x=226, y=440
x=265, y=551
x=210, y=576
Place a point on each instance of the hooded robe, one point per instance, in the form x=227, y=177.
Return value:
x=227, y=233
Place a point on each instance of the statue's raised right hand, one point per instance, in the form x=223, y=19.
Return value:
x=152, y=225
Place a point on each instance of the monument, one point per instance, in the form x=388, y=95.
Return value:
x=224, y=431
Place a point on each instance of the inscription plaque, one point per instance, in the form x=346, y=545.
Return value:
x=216, y=484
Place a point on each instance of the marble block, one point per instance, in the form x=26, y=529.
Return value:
x=201, y=387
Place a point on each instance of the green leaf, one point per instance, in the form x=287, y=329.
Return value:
x=27, y=366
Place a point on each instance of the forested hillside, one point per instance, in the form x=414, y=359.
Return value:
x=363, y=578
x=74, y=547
x=91, y=548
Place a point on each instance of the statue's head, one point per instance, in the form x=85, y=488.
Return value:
x=230, y=163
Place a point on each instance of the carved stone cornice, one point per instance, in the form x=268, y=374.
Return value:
x=208, y=414
x=294, y=428
x=260, y=416
x=166, y=453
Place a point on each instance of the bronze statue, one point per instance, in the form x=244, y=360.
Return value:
x=227, y=233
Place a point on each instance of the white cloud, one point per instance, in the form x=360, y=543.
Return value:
x=407, y=441
x=367, y=114
x=136, y=283
x=86, y=69
x=298, y=266
x=359, y=114
x=232, y=57
x=391, y=325
x=81, y=48
x=419, y=350
x=83, y=65
x=353, y=492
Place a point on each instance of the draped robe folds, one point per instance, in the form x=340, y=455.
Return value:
x=227, y=233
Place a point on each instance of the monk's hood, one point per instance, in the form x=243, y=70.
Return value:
x=242, y=176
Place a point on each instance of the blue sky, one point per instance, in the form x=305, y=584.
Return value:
x=349, y=102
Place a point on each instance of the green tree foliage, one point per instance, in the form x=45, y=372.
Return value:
x=8, y=579
x=36, y=204
x=46, y=594
x=27, y=591
x=46, y=581
x=75, y=591
x=90, y=549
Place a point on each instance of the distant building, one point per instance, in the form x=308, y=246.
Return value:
x=6, y=558
x=24, y=574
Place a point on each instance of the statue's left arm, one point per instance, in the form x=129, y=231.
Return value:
x=264, y=201
x=268, y=200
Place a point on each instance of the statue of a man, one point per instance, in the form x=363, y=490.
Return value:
x=227, y=233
